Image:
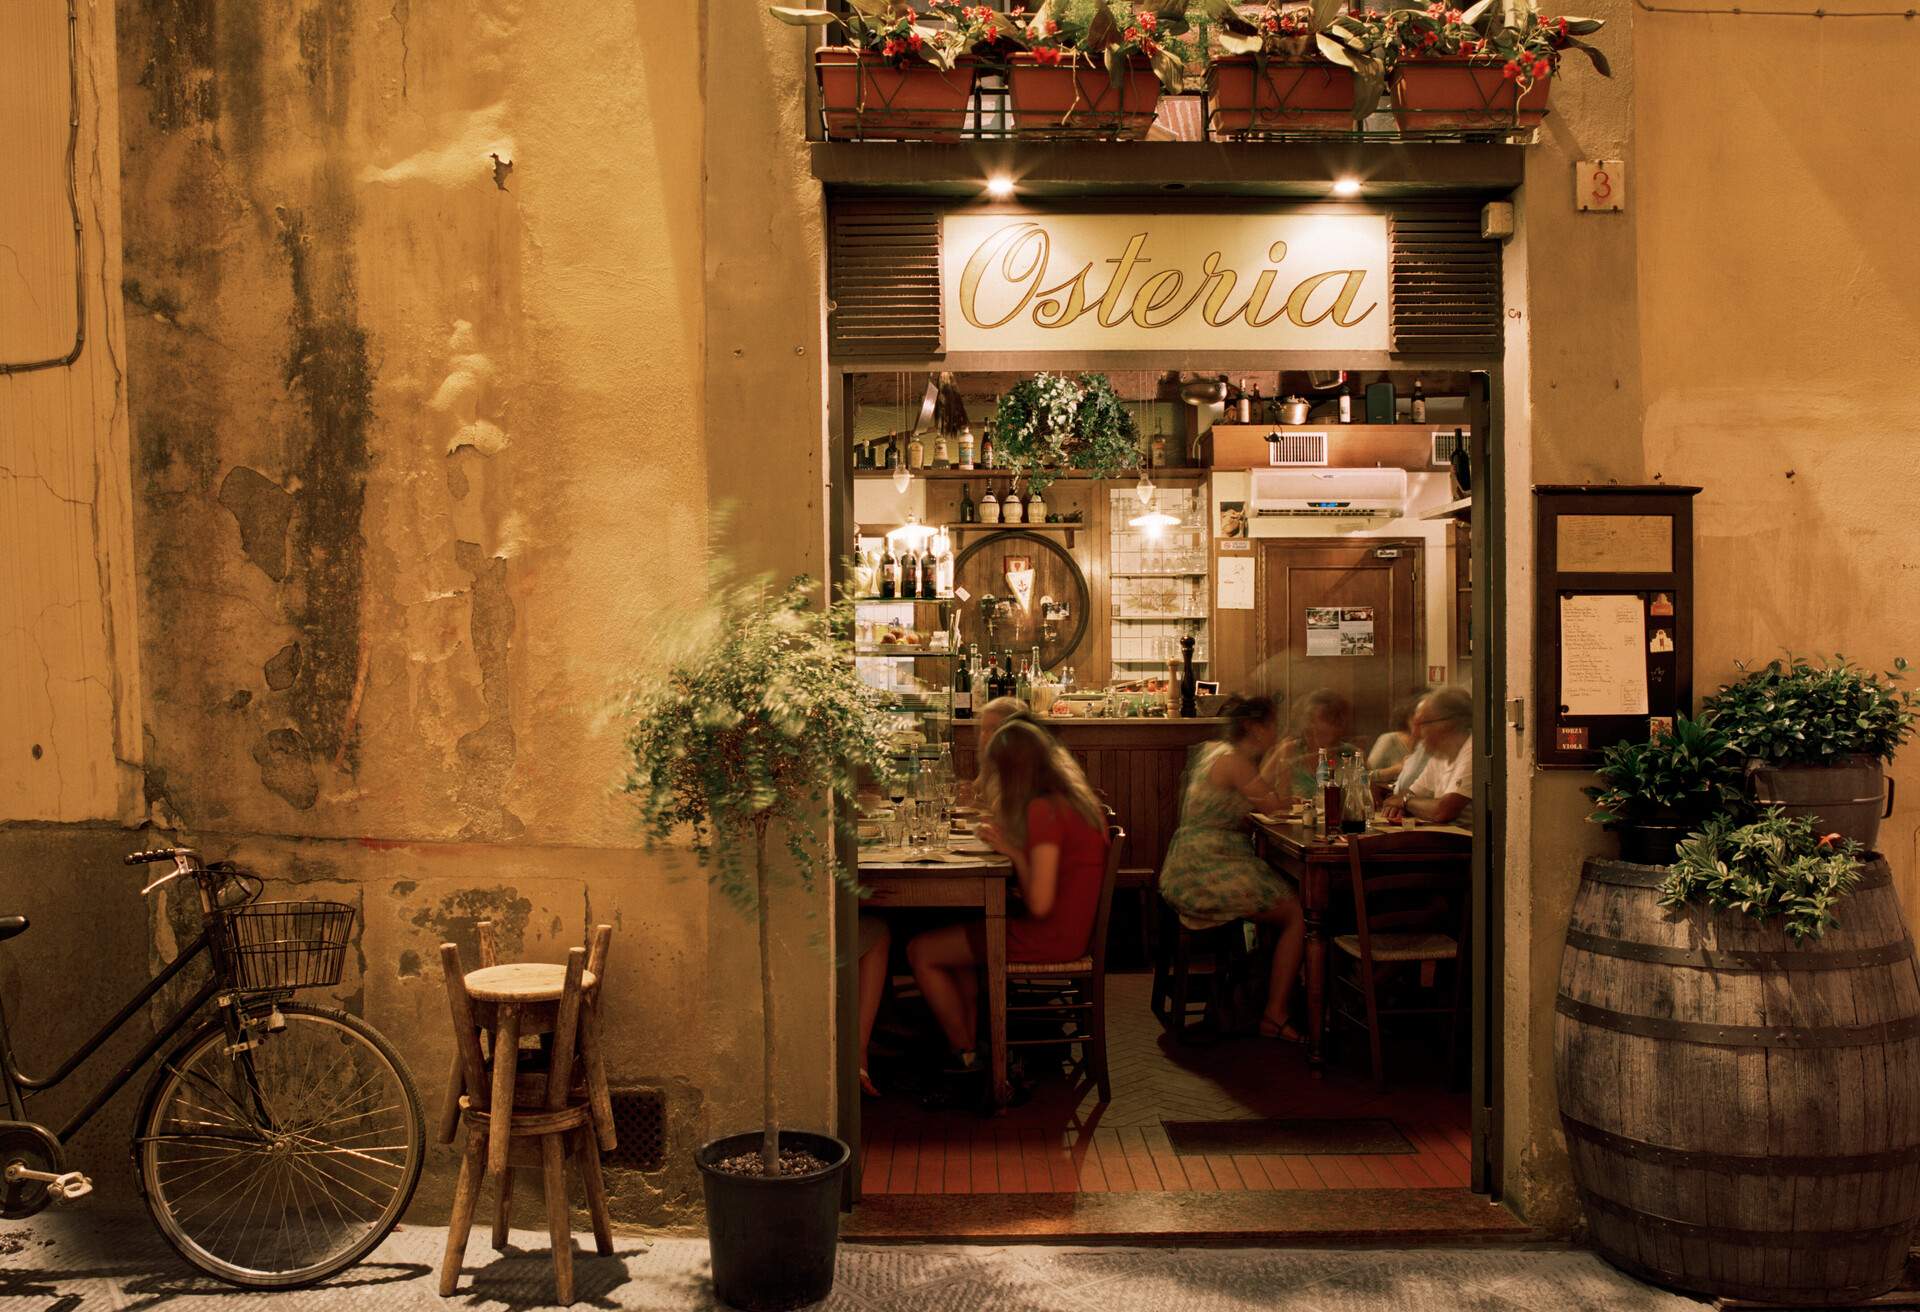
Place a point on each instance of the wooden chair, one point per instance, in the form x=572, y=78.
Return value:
x=1074, y=991
x=552, y=1102
x=1175, y=1001
x=1410, y=908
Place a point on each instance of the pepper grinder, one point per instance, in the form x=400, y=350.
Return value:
x=1189, y=707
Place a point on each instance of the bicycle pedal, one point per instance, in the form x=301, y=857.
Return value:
x=70, y=1187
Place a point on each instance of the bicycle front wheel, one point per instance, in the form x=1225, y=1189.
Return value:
x=281, y=1164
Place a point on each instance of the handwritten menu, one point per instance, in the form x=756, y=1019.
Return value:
x=1614, y=544
x=1603, y=654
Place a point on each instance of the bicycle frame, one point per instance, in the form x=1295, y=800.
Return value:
x=20, y=1086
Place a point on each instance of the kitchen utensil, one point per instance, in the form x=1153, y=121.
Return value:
x=1294, y=410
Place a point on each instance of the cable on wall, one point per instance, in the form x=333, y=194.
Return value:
x=1742, y=11
x=73, y=208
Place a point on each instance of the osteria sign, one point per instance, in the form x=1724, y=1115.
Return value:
x=1082, y=282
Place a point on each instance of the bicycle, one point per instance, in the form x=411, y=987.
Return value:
x=279, y=1142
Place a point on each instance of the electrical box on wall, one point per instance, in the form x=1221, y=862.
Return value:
x=1600, y=185
x=1496, y=219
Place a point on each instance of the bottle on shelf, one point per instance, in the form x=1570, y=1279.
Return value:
x=1157, y=450
x=929, y=574
x=969, y=513
x=889, y=573
x=1331, y=803
x=966, y=448
x=962, y=690
x=986, y=449
x=1037, y=508
x=1259, y=406
x=989, y=506
x=1012, y=509
x=1419, y=411
x=1345, y=395
x=1243, y=407
x=940, y=448
x=910, y=572
x=916, y=452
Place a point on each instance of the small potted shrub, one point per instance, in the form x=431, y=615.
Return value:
x=742, y=728
x=1817, y=739
x=1050, y=422
x=1096, y=68
x=1775, y=868
x=898, y=77
x=1654, y=793
x=1271, y=75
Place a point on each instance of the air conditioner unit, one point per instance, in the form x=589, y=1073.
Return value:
x=1380, y=492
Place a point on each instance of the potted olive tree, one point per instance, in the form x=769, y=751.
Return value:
x=741, y=729
x=1817, y=739
x=1653, y=793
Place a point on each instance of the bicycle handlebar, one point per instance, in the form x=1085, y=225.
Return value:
x=156, y=854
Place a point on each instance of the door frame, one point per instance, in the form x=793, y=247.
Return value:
x=1486, y=949
x=1261, y=628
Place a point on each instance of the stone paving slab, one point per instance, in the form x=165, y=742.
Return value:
x=94, y=1258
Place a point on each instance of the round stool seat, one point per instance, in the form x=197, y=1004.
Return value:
x=522, y=981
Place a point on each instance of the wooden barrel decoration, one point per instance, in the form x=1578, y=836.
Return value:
x=1742, y=1112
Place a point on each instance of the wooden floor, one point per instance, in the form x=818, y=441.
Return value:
x=1063, y=1142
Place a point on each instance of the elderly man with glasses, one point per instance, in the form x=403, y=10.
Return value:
x=1437, y=782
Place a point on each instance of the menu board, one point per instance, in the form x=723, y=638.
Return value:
x=1614, y=544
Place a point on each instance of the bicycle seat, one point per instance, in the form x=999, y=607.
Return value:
x=11, y=925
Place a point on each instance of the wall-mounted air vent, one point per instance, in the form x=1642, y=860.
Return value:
x=1296, y=449
x=1444, y=443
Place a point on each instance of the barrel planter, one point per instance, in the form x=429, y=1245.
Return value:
x=1455, y=94
x=865, y=97
x=1288, y=96
x=1849, y=799
x=1742, y=1113
x=1079, y=100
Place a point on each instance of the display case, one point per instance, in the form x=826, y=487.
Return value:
x=1157, y=581
x=907, y=648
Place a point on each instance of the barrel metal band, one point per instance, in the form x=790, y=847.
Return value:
x=1755, y=1238
x=1887, y=954
x=1874, y=874
x=1740, y=1036
x=1736, y=1163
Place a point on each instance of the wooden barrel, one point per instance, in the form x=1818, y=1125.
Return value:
x=1742, y=1113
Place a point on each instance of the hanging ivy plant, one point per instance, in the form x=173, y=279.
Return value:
x=1051, y=422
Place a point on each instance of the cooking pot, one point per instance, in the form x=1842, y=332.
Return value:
x=1293, y=410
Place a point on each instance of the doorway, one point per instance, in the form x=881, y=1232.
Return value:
x=1345, y=616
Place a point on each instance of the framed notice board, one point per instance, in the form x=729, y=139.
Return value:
x=1613, y=627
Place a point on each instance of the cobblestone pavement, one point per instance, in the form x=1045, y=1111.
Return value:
x=84, y=1259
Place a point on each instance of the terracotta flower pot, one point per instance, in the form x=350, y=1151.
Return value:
x=867, y=97
x=1080, y=100
x=1307, y=95
x=1452, y=93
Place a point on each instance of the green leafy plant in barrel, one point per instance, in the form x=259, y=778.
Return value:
x=1051, y=422
x=746, y=721
x=1655, y=791
x=1775, y=867
x=1799, y=712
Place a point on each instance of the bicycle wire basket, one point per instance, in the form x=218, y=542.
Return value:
x=288, y=945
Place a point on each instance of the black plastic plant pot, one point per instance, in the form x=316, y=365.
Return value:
x=773, y=1238
x=1651, y=843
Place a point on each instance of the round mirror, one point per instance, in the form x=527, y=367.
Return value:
x=1025, y=590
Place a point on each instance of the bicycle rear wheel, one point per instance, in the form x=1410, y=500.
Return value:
x=286, y=1163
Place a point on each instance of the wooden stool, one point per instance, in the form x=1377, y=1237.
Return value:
x=501, y=1104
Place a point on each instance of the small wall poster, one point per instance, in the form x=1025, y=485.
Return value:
x=1603, y=655
x=1236, y=585
x=1233, y=519
x=1340, y=631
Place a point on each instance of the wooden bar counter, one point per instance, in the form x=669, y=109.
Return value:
x=1135, y=764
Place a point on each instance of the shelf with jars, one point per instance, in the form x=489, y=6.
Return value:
x=904, y=641
x=1158, y=575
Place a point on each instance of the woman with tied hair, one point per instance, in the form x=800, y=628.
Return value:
x=1212, y=875
x=1046, y=820
x=1321, y=723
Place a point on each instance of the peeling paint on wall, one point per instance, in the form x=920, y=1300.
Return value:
x=263, y=509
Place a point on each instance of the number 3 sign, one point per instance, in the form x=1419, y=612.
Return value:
x=1600, y=184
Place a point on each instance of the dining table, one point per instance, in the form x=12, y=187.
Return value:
x=1318, y=867
x=966, y=879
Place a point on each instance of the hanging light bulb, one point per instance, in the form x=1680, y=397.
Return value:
x=902, y=476
x=913, y=532
x=1144, y=489
x=1154, y=522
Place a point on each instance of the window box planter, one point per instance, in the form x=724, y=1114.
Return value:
x=1452, y=94
x=1080, y=100
x=1309, y=95
x=867, y=98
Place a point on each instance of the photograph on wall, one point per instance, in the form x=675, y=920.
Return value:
x=1323, y=630
x=1233, y=519
x=1356, y=631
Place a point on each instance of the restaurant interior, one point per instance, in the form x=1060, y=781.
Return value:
x=1302, y=535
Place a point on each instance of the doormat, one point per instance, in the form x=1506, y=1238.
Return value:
x=1306, y=1137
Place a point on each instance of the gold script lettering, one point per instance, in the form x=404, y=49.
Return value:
x=1010, y=240
x=1156, y=293
x=1112, y=315
x=1342, y=304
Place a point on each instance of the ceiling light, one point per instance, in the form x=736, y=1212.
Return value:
x=1144, y=489
x=913, y=532
x=902, y=476
x=1154, y=522
x=1346, y=187
x=999, y=186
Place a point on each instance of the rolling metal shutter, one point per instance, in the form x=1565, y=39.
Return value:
x=883, y=281
x=1445, y=293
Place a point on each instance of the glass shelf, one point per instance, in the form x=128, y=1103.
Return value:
x=897, y=601
x=904, y=653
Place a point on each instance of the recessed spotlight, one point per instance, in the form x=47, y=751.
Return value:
x=1346, y=187
x=1000, y=186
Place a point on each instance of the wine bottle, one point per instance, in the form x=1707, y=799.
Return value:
x=969, y=513
x=889, y=572
x=940, y=459
x=1419, y=403
x=1037, y=508
x=1012, y=509
x=917, y=453
x=929, y=574
x=962, y=690
x=1259, y=406
x=966, y=448
x=1346, y=399
x=989, y=507
x=1244, y=406
x=910, y=573
x=986, y=449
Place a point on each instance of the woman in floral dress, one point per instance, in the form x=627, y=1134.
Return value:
x=1212, y=875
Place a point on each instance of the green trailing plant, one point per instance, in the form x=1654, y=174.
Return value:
x=748, y=718
x=1110, y=35
x=1772, y=868
x=1051, y=422
x=893, y=30
x=1683, y=775
x=1799, y=712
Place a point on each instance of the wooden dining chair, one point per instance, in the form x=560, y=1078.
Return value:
x=1410, y=908
x=1073, y=992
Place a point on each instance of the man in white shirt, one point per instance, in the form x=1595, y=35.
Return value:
x=1442, y=790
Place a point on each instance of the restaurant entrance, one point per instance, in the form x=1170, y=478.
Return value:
x=1350, y=600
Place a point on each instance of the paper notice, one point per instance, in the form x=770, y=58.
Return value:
x=1356, y=631
x=1613, y=544
x=1236, y=585
x=1323, y=630
x=1603, y=655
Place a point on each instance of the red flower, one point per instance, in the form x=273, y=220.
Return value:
x=1150, y=46
x=1563, y=26
x=891, y=48
x=1453, y=15
x=1133, y=34
x=1542, y=67
x=1468, y=47
x=914, y=40
x=1511, y=71
x=1150, y=22
x=1052, y=27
